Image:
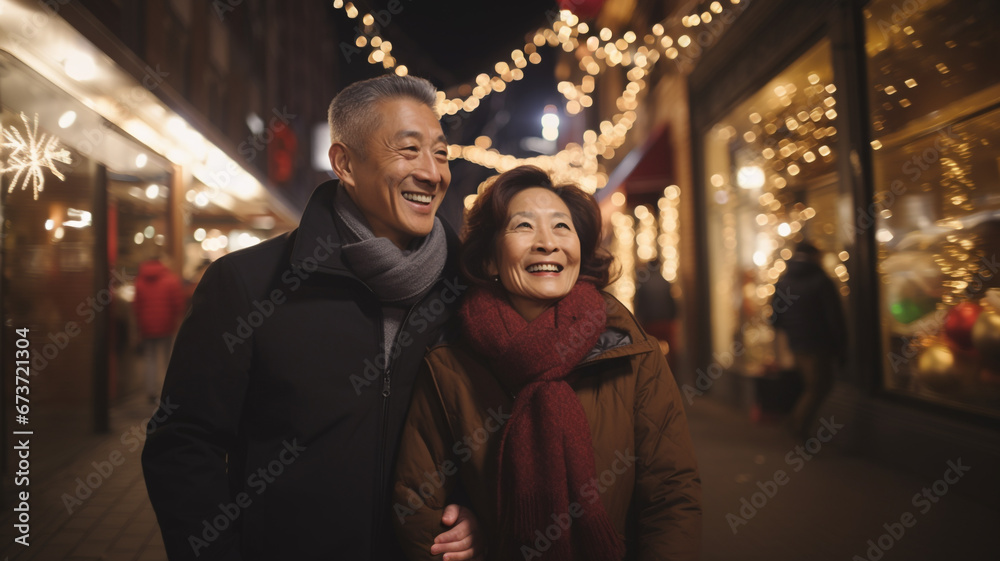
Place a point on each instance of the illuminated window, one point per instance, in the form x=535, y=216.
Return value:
x=936, y=211
x=771, y=182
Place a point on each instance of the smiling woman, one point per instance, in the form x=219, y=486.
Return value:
x=538, y=256
x=528, y=193
x=593, y=460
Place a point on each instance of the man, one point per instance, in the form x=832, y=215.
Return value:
x=807, y=309
x=292, y=374
x=158, y=306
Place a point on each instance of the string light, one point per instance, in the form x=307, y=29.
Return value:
x=596, y=51
x=622, y=247
x=669, y=238
x=786, y=138
x=646, y=234
x=959, y=256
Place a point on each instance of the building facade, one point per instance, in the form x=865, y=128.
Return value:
x=167, y=128
x=867, y=129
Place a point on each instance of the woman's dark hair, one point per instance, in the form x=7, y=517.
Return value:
x=488, y=217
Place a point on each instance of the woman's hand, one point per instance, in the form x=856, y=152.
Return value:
x=464, y=540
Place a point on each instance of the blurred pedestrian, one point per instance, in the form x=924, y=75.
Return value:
x=806, y=310
x=158, y=305
x=656, y=310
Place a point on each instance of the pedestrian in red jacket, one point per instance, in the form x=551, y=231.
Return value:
x=159, y=305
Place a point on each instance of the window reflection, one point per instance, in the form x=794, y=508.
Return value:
x=54, y=246
x=934, y=87
x=771, y=182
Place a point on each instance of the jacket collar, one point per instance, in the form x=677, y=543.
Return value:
x=318, y=244
x=317, y=238
x=622, y=335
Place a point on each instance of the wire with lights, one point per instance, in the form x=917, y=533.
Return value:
x=577, y=163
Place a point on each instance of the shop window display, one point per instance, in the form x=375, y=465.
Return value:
x=772, y=182
x=48, y=245
x=51, y=247
x=934, y=92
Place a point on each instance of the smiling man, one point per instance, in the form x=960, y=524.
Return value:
x=292, y=374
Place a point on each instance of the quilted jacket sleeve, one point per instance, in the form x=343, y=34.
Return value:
x=668, y=487
x=425, y=471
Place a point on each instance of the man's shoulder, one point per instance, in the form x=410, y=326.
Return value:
x=265, y=252
x=257, y=262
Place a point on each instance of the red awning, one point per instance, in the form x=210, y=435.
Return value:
x=646, y=169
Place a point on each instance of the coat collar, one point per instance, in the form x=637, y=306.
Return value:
x=622, y=335
x=317, y=240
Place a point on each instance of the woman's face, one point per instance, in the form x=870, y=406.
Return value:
x=538, y=252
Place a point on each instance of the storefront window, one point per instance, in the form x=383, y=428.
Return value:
x=934, y=89
x=771, y=183
x=54, y=251
x=138, y=230
x=137, y=207
x=49, y=248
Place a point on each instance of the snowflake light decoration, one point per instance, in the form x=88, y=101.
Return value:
x=27, y=158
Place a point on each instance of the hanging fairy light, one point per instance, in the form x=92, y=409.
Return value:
x=669, y=238
x=786, y=140
x=645, y=237
x=566, y=32
x=568, y=165
x=959, y=256
x=623, y=248
x=596, y=51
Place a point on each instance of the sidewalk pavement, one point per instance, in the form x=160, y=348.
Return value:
x=766, y=499
x=114, y=522
x=823, y=505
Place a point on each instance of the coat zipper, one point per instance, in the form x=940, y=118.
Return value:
x=386, y=393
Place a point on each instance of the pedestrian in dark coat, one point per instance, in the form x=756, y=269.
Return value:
x=807, y=309
x=291, y=377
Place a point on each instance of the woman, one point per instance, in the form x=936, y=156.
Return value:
x=552, y=409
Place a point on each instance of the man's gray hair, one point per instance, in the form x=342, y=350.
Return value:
x=353, y=115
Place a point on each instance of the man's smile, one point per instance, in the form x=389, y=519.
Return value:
x=419, y=198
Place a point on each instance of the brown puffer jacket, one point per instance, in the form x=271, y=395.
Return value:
x=647, y=475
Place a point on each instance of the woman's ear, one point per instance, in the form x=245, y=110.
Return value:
x=342, y=162
x=491, y=268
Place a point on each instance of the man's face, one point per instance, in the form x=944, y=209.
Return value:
x=400, y=184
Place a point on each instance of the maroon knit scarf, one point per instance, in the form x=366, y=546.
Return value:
x=546, y=452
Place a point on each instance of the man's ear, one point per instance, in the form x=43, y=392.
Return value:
x=342, y=161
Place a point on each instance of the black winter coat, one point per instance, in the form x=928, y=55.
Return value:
x=282, y=418
x=807, y=307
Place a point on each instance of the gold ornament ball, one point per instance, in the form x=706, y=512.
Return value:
x=986, y=338
x=936, y=369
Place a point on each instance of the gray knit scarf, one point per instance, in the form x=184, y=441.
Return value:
x=399, y=277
